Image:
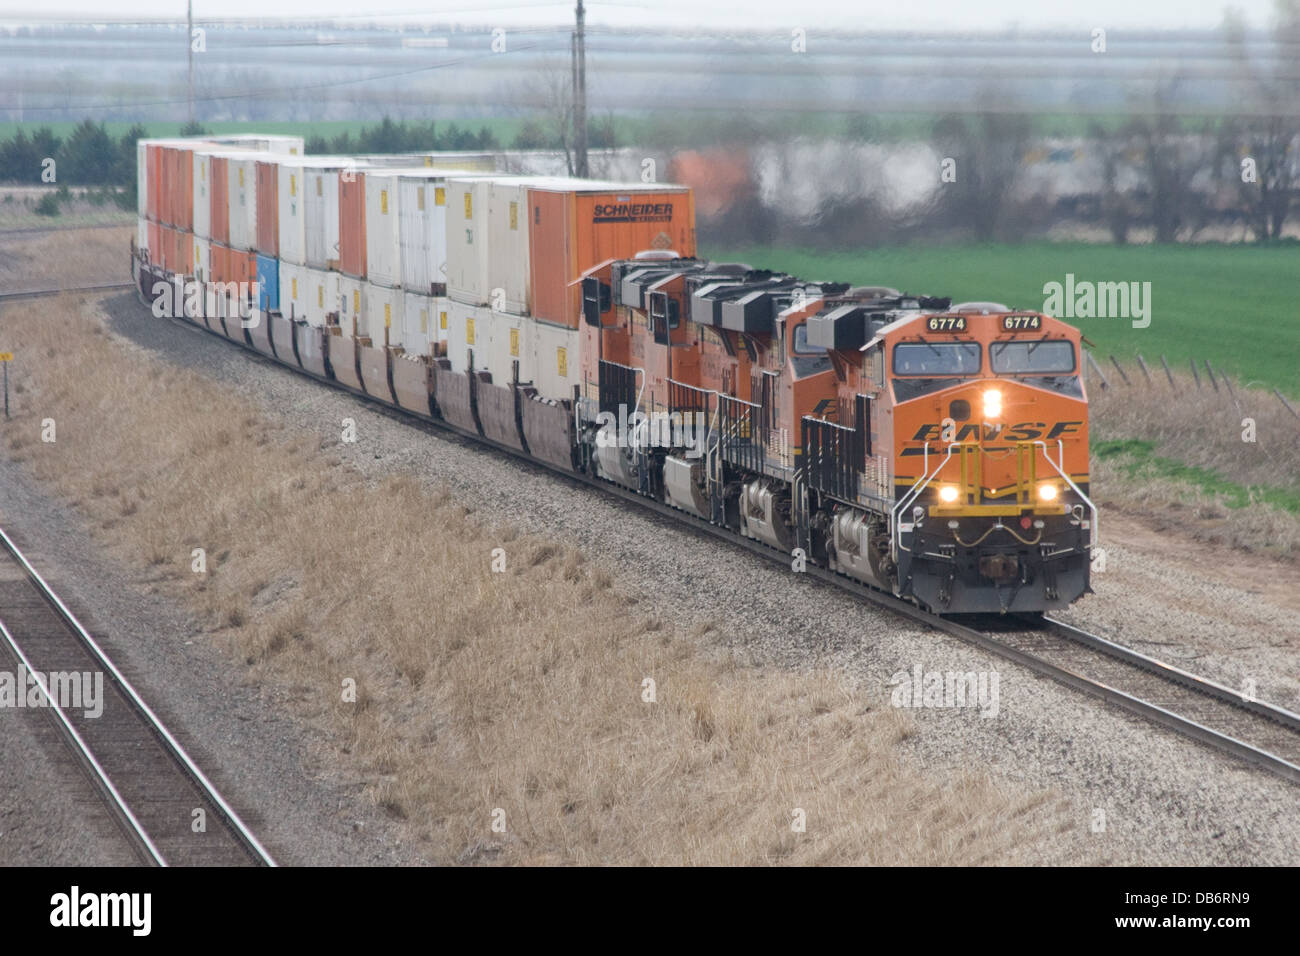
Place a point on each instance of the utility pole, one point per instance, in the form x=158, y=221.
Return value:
x=580, y=95
x=189, y=45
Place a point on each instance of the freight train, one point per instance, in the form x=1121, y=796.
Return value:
x=938, y=452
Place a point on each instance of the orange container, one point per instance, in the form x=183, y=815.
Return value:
x=152, y=161
x=571, y=231
x=219, y=223
x=220, y=261
x=268, y=208
x=183, y=188
x=184, y=250
x=352, y=225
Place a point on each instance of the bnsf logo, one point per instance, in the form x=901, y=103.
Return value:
x=1024, y=431
x=634, y=212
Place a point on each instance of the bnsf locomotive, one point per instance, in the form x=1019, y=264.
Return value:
x=938, y=452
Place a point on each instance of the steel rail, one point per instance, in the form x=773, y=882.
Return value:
x=178, y=753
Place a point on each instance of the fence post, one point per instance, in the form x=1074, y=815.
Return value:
x=1168, y=374
x=1143, y=365
x=1097, y=368
x=1285, y=404
x=1227, y=383
x=1115, y=362
x=1195, y=375
x=1210, y=372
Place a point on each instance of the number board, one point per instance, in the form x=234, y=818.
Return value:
x=946, y=323
x=1020, y=323
x=6, y=356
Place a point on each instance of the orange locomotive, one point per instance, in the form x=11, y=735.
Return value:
x=938, y=453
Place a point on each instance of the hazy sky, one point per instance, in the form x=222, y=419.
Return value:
x=745, y=14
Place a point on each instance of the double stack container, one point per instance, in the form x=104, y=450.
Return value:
x=241, y=185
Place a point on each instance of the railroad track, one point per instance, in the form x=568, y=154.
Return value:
x=156, y=792
x=43, y=293
x=1261, y=734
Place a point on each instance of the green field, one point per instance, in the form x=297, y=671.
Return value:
x=1236, y=305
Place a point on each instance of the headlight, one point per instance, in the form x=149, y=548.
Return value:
x=1047, y=492
x=992, y=403
x=948, y=493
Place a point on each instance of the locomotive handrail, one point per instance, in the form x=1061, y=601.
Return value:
x=896, y=536
x=1060, y=444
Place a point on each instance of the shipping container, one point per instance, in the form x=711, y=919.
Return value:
x=202, y=181
x=352, y=224
x=321, y=218
x=293, y=290
x=142, y=235
x=507, y=349
x=467, y=240
x=419, y=320
x=351, y=307
x=299, y=178
x=202, y=266
x=422, y=210
x=219, y=211
x=382, y=316
x=469, y=335
x=321, y=299
x=268, y=283
x=241, y=179
x=263, y=142
x=154, y=241
x=509, y=274
x=455, y=161
x=142, y=178
x=556, y=361
x=383, y=235
x=575, y=224
x=268, y=210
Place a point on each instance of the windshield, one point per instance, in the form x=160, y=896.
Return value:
x=801, y=346
x=937, y=358
x=1027, y=358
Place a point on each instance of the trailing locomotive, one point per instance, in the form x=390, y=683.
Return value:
x=934, y=451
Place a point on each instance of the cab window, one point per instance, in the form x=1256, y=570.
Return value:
x=936, y=358
x=807, y=359
x=1044, y=357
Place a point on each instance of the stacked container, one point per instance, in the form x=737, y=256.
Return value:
x=241, y=187
x=382, y=309
x=267, y=226
x=467, y=240
x=352, y=223
x=383, y=235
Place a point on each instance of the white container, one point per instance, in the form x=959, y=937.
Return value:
x=241, y=172
x=508, y=265
x=351, y=305
x=469, y=329
x=509, y=340
x=201, y=266
x=294, y=289
x=293, y=219
x=467, y=240
x=321, y=221
x=556, y=360
x=382, y=309
x=383, y=236
x=263, y=142
x=321, y=294
x=419, y=324
x=422, y=208
x=202, y=193
x=142, y=234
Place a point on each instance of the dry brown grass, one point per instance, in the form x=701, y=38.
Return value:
x=64, y=257
x=1203, y=429
x=477, y=690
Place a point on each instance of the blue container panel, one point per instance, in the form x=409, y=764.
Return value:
x=268, y=283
